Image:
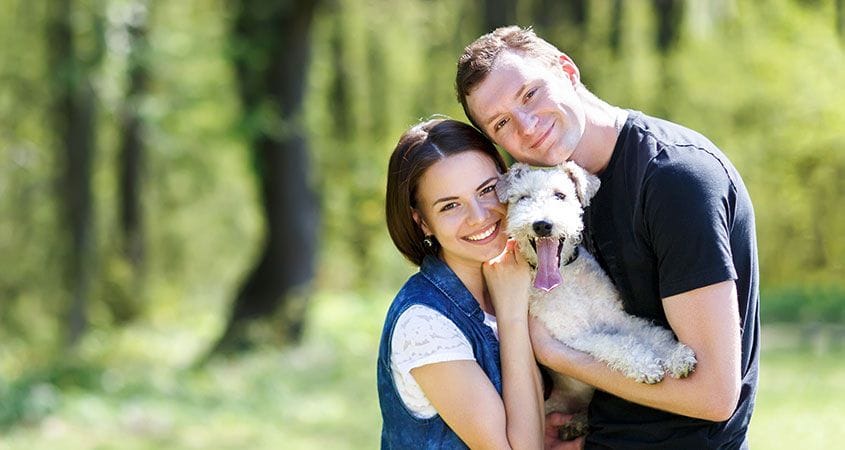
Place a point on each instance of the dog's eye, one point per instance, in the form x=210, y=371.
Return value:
x=560, y=196
x=524, y=197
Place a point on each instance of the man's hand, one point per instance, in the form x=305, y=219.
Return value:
x=551, y=441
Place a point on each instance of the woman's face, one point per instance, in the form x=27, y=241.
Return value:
x=457, y=203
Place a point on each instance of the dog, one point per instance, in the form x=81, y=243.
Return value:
x=571, y=294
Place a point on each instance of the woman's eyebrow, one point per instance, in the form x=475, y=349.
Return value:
x=481, y=186
x=485, y=183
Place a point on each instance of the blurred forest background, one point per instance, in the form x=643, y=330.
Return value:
x=192, y=243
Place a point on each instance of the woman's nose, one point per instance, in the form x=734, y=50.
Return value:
x=478, y=212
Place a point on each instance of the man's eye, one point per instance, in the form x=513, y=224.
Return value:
x=560, y=196
x=500, y=124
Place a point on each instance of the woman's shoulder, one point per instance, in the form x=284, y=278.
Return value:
x=417, y=290
x=419, y=316
x=424, y=335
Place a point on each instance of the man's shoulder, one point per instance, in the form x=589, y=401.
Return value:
x=667, y=134
x=675, y=153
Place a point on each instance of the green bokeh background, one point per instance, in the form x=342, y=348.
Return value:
x=763, y=80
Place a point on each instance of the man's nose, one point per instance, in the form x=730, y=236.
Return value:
x=527, y=121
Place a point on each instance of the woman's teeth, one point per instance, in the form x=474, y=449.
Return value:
x=483, y=234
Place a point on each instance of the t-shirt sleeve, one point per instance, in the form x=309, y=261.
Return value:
x=424, y=336
x=689, y=206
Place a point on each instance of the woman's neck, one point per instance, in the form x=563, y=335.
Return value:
x=473, y=279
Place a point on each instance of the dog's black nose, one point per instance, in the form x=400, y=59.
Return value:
x=542, y=228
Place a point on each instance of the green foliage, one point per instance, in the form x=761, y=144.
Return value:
x=763, y=80
x=801, y=303
x=372, y=76
x=799, y=401
x=37, y=394
x=768, y=91
x=319, y=395
x=201, y=220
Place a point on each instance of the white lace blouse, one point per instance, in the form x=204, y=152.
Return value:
x=424, y=336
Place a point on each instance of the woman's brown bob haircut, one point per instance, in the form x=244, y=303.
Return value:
x=478, y=58
x=418, y=149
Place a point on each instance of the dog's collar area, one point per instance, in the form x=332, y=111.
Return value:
x=572, y=258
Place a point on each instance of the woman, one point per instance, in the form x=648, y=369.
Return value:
x=445, y=379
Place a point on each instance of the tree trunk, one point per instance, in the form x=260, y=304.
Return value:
x=548, y=13
x=271, y=57
x=341, y=103
x=125, y=303
x=74, y=119
x=132, y=143
x=669, y=15
x=840, y=19
x=616, y=27
x=498, y=13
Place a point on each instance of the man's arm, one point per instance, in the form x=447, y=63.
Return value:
x=705, y=319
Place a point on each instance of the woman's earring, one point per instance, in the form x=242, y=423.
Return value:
x=428, y=242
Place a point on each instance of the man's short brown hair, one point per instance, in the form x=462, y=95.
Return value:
x=478, y=58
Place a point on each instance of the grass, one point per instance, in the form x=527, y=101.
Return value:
x=322, y=394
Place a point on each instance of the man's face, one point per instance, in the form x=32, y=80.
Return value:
x=530, y=108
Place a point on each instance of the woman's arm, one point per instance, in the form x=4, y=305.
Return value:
x=705, y=319
x=508, y=281
x=460, y=390
x=468, y=402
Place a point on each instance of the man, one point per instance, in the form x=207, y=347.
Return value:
x=672, y=224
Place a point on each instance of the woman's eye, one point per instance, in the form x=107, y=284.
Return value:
x=449, y=206
x=530, y=94
x=560, y=196
x=488, y=189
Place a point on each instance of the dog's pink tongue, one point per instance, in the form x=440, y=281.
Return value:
x=548, y=274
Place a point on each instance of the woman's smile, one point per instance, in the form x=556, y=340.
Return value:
x=486, y=235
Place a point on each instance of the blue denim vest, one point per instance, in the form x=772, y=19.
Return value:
x=436, y=287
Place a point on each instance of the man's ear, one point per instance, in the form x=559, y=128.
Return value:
x=570, y=69
x=586, y=184
x=421, y=222
x=506, y=180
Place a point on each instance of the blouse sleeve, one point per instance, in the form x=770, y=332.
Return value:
x=424, y=336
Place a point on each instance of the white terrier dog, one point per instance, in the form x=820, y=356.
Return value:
x=572, y=296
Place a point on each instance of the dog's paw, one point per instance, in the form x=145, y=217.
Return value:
x=651, y=372
x=576, y=427
x=682, y=362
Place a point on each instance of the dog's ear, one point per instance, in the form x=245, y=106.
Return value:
x=502, y=187
x=506, y=179
x=586, y=184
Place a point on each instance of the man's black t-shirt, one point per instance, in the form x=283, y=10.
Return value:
x=673, y=215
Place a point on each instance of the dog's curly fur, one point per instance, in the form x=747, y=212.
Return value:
x=585, y=310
